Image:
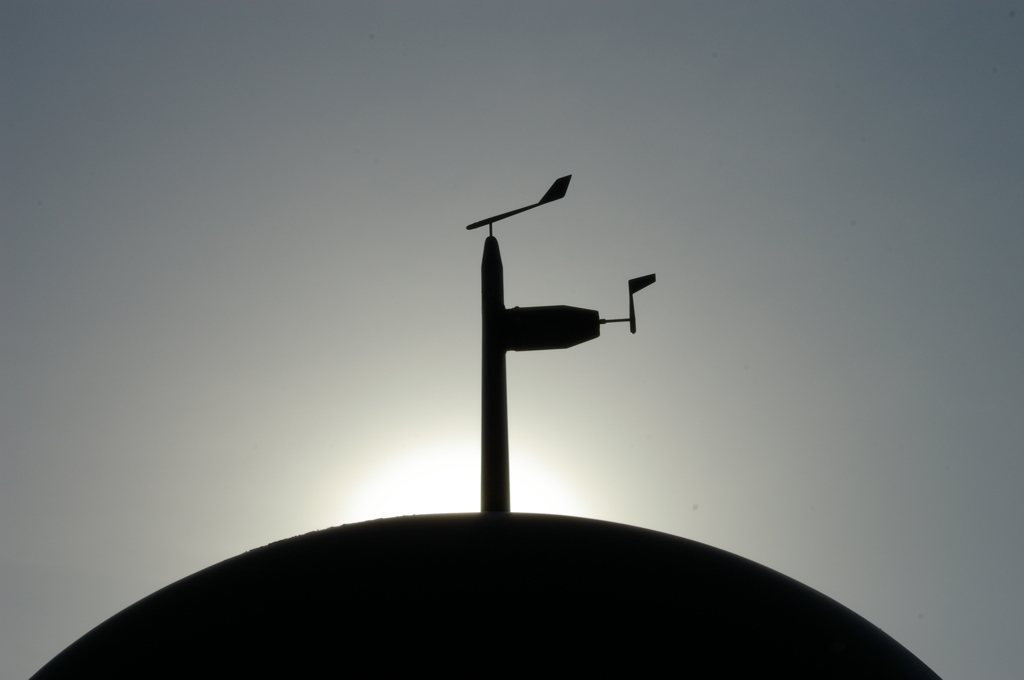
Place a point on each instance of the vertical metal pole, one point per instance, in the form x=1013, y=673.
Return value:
x=494, y=485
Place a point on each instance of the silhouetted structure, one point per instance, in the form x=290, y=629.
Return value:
x=486, y=595
x=492, y=594
x=521, y=329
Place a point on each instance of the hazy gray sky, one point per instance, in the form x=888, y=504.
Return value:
x=238, y=302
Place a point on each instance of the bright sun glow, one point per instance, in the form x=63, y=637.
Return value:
x=446, y=478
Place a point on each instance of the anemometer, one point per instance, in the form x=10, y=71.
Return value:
x=522, y=329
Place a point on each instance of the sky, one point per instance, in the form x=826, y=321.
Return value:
x=238, y=302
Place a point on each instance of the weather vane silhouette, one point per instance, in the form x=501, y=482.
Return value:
x=521, y=329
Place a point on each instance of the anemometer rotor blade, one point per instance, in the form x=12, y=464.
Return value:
x=556, y=192
x=639, y=283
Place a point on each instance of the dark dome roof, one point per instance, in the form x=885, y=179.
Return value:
x=491, y=594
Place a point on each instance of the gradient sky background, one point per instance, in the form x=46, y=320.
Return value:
x=239, y=303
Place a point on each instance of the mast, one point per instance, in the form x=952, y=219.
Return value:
x=494, y=484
